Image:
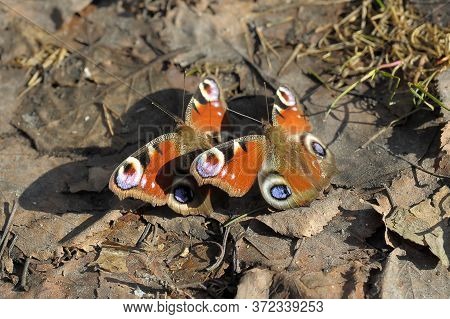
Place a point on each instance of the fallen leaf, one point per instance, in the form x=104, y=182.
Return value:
x=114, y=288
x=255, y=284
x=444, y=156
x=411, y=273
x=305, y=221
x=412, y=187
x=113, y=260
x=127, y=230
x=95, y=233
x=426, y=224
x=194, y=226
x=70, y=280
x=344, y=281
x=266, y=248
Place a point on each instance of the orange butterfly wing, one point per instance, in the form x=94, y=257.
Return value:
x=136, y=176
x=232, y=166
x=207, y=109
x=288, y=113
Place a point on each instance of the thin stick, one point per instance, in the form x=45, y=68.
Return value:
x=264, y=46
x=107, y=119
x=411, y=163
x=292, y=57
x=23, y=278
x=13, y=243
x=242, y=216
x=222, y=252
x=155, y=234
x=144, y=235
x=4, y=239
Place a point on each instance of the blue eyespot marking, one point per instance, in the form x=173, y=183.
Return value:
x=280, y=192
x=183, y=194
x=318, y=149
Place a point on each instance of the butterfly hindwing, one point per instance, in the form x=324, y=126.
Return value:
x=156, y=174
x=136, y=176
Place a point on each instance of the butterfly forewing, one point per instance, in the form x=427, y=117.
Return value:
x=288, y=113
x=232, y=166
x=207, y=109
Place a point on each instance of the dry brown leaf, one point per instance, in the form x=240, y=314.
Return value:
x=95, y=233
x=444, y=156
x=113, y=288
x=71, y=280
x=444, y=90
x=265, y=247
x=113, y=260
x=255, y=284
x=7, y=263
x=413, y=274
x=127, y=230
x=51, y=229
x=412, y=187
x=426, y=224
x=305, y=221
x=344, y=281
x=194, y=226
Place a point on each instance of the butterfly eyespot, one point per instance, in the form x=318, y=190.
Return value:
x=313, y=145
x=286, y=96
x=129, y=173
x=210, y=163
x=183, y=194
x=318, y=149
x=210, y=90
x=280, y=192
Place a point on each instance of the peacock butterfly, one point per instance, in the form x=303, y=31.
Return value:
x=157, y=172
x=291, y=164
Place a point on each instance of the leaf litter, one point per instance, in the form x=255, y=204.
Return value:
x=71, y=127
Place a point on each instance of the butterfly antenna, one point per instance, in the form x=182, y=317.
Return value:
x=95, y=63
x=184, y=92
x=245, y=115
x=267, y=103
